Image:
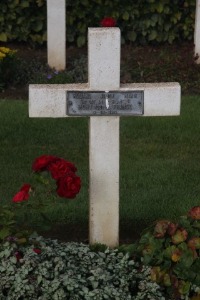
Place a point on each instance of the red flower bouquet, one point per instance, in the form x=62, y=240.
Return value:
x=62, y=182
x=62, y=171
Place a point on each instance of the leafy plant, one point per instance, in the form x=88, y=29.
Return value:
x=8, y=64
x=23, y=21
x=7, y=222
x=47, y=269
x=68, y=186
x=173, y=251
x=140, y=21
x=35, y=71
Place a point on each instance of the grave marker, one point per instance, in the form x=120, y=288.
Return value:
x=197, y=31
x=103, y=100
x=56, y=34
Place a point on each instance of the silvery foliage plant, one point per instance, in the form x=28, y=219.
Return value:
x=71, y=271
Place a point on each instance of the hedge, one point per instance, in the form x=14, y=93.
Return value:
x=140, y=21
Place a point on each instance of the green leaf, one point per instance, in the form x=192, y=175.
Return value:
x=132, y=36
x=22, y=241
x=152, y=35
x=41, y=179
x=81, y=41
x=159, y=7
x=40, y=3
x=85, y=2
x=4, y=232
x=184, y=287
x=3, y=37
x=24, y=4
x=38, y=26
x=125, y=16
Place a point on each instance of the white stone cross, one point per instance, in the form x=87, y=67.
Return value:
x=160, y=99
x=197, y=31
x=56, y=34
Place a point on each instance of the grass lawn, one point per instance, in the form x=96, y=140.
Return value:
x=159, y=161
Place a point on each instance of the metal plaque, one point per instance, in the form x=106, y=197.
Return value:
x=113, y=103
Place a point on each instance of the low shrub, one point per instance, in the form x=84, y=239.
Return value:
x=140, y=21
x=173, y=251
x=36, y=72
x=47, y=269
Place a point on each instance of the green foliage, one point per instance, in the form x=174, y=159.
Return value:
x=140, y=21
x=7, y=222
x=35, y=72
x=8, y=66
x=23, y=21
x=98, y=247
x=46, y=269
x=173, y=251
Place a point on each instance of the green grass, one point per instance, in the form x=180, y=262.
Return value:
x=159, y=161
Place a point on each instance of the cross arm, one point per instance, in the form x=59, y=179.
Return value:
x=50, y=101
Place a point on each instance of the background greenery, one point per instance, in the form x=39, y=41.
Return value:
x=140, y=21
x=159, y=162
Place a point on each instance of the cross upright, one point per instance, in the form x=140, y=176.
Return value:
x=104, y=100
x=56, y=34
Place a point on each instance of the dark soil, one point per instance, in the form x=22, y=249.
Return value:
x=80, y=233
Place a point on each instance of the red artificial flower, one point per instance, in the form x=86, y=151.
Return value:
x=36, y=250
x=194, y=213
x=26, y=188
x=68, y=186
x=23, y=193
x=108, y=22
x=41, y=163
x=60, y=168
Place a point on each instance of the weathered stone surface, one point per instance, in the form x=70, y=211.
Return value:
x=56, y=34
x=160, y=99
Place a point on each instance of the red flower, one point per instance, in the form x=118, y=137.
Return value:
x=26, y=188
x=36, y=250
x=108, y=22
x=23, y=193
x=60, y=168
x=41, y=163
x=68, y=186
x=194, y=213
x=19, y=255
